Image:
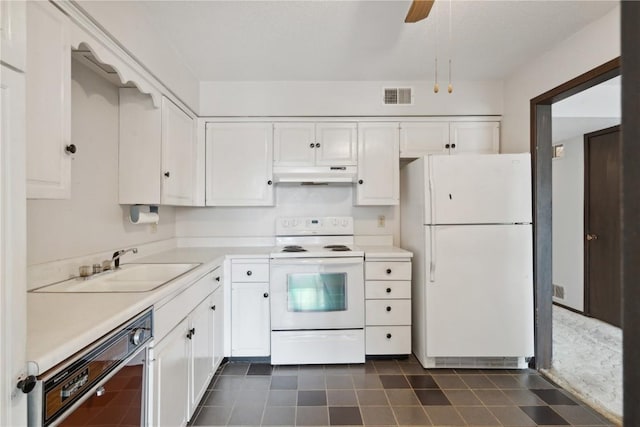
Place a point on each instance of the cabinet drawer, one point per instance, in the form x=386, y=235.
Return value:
x=250, y=272
x=387, y=289
x=387, y=270
x=388, y=339
x=388, y=312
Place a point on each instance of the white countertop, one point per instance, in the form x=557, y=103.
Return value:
x=61, y=324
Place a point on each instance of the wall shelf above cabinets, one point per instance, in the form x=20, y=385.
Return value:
x=418, y=139
x=158, y=153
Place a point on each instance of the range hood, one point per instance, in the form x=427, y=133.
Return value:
x=315, y=174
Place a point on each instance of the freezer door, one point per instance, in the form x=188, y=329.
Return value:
x=479, y=291
x=478, y=189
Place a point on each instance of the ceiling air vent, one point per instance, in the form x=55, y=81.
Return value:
x=397, y=96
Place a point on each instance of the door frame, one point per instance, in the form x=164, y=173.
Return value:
x=541, y=154
x=586, y=285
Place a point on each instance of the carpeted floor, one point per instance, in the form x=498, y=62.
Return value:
x=587, y=359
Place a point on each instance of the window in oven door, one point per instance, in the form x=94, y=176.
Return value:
x=317, y=292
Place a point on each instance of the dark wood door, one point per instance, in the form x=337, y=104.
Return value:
x=602, y=225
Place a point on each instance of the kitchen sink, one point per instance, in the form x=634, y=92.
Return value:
x=128, y=278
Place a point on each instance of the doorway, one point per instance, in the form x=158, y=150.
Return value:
x=602, y=285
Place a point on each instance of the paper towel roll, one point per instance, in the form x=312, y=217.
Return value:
x=138, y=217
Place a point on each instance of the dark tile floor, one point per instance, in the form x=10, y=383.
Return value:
x=385, y=393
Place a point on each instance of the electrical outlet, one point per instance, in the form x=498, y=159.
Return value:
x=381, y=221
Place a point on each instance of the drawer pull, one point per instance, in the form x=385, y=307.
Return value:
x=388, y=271
x=388, y=290
x=249, y=272
x=388, y=336
x=266, y=295
x=388, y=308
x=213, y=307
x=218, y=279
x=191, y=333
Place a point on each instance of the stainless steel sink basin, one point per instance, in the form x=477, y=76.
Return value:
x=128, y=278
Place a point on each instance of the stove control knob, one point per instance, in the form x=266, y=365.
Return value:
x=27, y=384
x=285, y=223
x=137, y=336
x=345, y=222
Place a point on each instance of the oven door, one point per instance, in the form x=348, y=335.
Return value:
x=317, y=293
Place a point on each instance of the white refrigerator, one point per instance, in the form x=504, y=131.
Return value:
x=467, y=219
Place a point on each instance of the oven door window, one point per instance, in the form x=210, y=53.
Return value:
x=317, y=292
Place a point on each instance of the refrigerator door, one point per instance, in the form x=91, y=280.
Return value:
x=479, y=291
x=478, y=189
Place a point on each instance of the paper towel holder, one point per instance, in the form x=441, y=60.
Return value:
x=150, y=217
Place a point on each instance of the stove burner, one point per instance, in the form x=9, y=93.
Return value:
x=293, y=248
x=340, y=249
x=336, y=247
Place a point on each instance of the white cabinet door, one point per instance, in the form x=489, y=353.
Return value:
x=250, y=326
x=475, y=137
x=217, y=305
x=48, y=96
x=171, y=378
x=418, y=139
x=336, y=144
x=294, y=144
x=13, y=33
x=239, y=160
x=378, y=165
x=178, y=155
x=201, y=361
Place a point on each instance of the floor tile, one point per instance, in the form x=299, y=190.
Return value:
x=339, y=382
x=372, y=397
x=256, y=383
x=279, y=416
x=523, y=397
x=229, y=383
x=366, y=381
x=235, y=369
x=413, y=369
x=422, y=381
x=468, y=371
x=394, y=381
x=402, y=397
x=282, y=398
x=285, y=370
x=554, y=397
x=432, y=397
x=387, y=367
x=312, y=398
x=284, y=382
x=579, y=415
x=312, y=382
x=213, y=416
x=246, y=415
x=337, y=369
x=312, y=416
x=376, y=416
x=444, y=416
x=493, y=398
x=311, y=370
x=477, y=381
x=544, y=415
x=342, y=398
x=259, y=369
x=220, y=398
x=511, y=416
x=505, y=381
x=477, y=416
x=449, y=381
x=252, y=397
x=344, y=416
x=532, y=381
x=462, y=397
x=411, y=416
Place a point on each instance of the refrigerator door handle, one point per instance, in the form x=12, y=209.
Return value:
x=432, y=264
x=432, y=198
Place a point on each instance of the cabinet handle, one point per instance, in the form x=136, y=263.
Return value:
x=360, y=181
x=100, y=391
x=447, y=145
x=266, y=295
x=453, y=145
x=249, y=272
x=318, y=145
x=388, y=336
x=167, y=174
x=388, y=308
x=269, y=182
x=213, y=307
x=217, y=279
x=70, y=149
x=388, y=271
x=312, y=145
x=388, y=290
x=191, y=333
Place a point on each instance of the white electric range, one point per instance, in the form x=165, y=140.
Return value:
x=317, y=292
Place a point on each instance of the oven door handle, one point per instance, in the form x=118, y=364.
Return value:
x=318, y=261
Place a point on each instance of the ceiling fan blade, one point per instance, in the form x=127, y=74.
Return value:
x=419, y=10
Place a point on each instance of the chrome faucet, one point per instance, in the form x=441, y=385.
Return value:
x=115, y=259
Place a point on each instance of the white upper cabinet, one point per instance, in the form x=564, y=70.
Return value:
x=378, y=165
x=418, y=139
x=157, y=156
x=13, y=35
x=48, y=102
x=239, y=159
x=315, y=144
x=475, y=137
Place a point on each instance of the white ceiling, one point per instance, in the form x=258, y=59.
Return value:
x=361, y=40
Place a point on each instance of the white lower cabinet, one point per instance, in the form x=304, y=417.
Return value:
x=250, y=314
x=200, y=335
x=387, y=307
x=217, y=306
